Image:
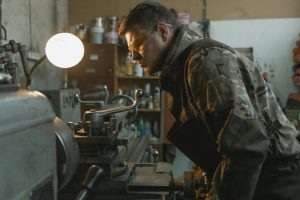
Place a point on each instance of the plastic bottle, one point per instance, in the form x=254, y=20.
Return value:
x=147, y=89
x=156, y=129
x=156, y=98
x=128, y=65
x=143, y=103
x=150, y=102
x=133, y=130
x=140, y=127
x=147, y=128
x=138, y=70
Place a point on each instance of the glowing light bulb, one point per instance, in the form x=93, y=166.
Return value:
x=64, y=50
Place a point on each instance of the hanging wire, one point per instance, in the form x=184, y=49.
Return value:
x=2, y=28
x=205, y=21
x=1, y=37
x=30, y=23
x=204, y=16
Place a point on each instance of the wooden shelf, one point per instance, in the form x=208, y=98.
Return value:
x=148, y=110
x=137, y=77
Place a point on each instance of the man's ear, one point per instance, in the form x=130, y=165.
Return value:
x=163, y=30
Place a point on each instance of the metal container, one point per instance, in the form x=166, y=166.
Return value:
x=96, y=31
x=111, y=36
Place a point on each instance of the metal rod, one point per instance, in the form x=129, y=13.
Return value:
x=138, y=95
x=204, y=17
x=37, y=64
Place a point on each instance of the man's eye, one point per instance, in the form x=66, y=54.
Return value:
x=141, y=48
x=137, y=43
x=296, y=75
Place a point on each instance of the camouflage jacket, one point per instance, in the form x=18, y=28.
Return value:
x=211, y=81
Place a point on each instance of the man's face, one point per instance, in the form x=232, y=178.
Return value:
x=147, y=48
x=296, y=77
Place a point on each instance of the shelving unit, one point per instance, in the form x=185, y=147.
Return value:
x=96, y=68
x=129, y=83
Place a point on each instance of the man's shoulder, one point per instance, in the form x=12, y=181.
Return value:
x=210, y=43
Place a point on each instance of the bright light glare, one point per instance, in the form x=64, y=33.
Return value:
x=64, y=50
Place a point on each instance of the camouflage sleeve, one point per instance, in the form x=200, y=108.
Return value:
x=218, y=82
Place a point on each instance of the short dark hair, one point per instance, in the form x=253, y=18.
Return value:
x=146, y=15
x=296, y=66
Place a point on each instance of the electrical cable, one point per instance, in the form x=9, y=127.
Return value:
x=204, y=17
x=30, y=23
x=1, y=22
x=5, y=32
x=205, y=22
x=37, y=63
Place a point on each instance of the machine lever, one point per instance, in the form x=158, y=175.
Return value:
x=92, y=176
x=138, y=95
x=77, y=99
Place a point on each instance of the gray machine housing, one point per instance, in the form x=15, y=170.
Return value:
x=28, y=145
x=64, y=105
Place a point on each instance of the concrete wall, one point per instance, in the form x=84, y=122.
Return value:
x=272, y=41
x=32, y=22
x=83, y=11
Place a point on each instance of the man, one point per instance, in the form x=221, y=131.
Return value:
x=293, y=101
x=256, y=147
x=296, y=76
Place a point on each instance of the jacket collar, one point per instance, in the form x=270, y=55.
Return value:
x=171, y=70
